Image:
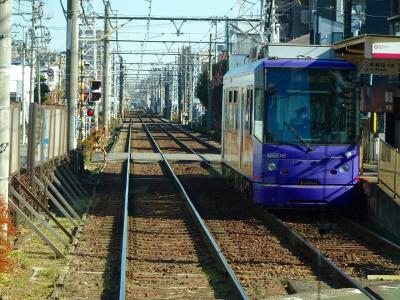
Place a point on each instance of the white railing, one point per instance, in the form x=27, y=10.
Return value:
x=389, y=167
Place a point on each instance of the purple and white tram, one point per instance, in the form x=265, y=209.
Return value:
x=289, y=131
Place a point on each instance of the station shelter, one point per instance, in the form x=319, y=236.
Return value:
x=378, y=60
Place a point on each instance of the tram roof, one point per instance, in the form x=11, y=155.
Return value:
x=292, y=63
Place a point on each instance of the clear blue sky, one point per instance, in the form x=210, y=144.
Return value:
x=161, y=30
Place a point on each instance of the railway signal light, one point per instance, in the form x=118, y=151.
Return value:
x=90, y=112
x=95, y=90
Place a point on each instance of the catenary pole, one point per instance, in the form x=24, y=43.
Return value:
x=106, y=85
x=32, y=55
x=209, y=106
x=5, y=70
x=23, y=107
x=121, y=86
x=72, y=70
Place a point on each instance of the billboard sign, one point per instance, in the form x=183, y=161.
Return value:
x=386, y=50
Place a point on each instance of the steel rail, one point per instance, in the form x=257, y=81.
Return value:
x=201, y=141
x=122, y=283
x=370, y=236
x=189, y=149
x=294, y=238
x=317, y=257
x=208, y=238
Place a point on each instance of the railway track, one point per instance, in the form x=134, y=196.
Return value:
x=167, y=256
x=266, y=259
x=236, y=238
x=94, y=264
x=352, y=248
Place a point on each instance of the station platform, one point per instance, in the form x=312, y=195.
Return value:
x=386, y=289
x=154, y=157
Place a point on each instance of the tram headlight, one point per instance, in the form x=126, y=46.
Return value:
x=344, y=168
x=271, y=166
x=348, y=154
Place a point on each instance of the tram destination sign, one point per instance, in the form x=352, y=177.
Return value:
x=379, y=66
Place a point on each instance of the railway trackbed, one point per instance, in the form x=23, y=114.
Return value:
x=167, y=254
x=270, y=258
x=167, y=258
x=360, y=253
x=93, y=269
x=262, y=262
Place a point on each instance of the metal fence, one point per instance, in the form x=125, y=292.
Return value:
x=14, y=139
x=370, y=149
x=47, y=134
x=389, y=167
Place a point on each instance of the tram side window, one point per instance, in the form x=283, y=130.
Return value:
x=258, y=114
x=235, y=110
x=226, y=99
x=228, y=116
x=248, y=110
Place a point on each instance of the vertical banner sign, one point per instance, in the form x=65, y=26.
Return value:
x=39, y=127
x=58, y=134
x=69, y=26
x=46, y=134
x=76, y=123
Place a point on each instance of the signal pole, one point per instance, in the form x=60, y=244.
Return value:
x=5, y=69
x=72, y=70
x=106, y=84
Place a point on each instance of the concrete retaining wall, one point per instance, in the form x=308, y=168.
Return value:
x=383, y=210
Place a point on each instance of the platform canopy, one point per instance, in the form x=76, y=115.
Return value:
x=374, y=54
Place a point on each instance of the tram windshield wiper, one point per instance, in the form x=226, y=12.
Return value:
x=300, y=138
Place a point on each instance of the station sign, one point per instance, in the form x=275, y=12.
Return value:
x=379, y=66
x=386, y=50
x=50, y=72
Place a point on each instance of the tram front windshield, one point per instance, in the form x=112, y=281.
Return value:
x=315, y=106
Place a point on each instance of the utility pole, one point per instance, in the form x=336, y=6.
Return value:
x=180, y=81
x=106, y=84
x=121, y=86
x=5, y=70
x=209, y=106
x=23, y=87
x=81, y=112
x=72, y=70
x=347, y=19
x=32, y=55
x=227, y=42
x=215, y=45
x=160, y=94
x=38, y=87
x=183, y=85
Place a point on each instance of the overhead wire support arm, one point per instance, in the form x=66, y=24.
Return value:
x=160, y=41
x=201, y=19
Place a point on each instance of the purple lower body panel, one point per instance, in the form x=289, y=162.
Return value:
x=333, y=196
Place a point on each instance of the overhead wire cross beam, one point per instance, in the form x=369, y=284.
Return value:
x=200, y=19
